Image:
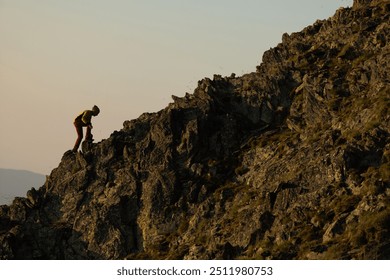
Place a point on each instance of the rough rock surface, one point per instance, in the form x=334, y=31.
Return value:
x=288, y=162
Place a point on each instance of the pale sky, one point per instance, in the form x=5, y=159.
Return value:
x=60, y=57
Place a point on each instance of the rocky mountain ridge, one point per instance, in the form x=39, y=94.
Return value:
x=288, y=162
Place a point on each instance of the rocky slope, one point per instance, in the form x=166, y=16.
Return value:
x=288, y=162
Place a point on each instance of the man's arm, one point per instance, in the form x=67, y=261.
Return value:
x=86, y=118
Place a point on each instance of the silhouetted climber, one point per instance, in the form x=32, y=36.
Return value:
x=84, y=120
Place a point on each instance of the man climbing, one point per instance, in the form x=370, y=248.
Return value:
x=84, y=120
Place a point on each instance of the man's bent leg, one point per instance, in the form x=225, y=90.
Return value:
x=79, y=130
x=88, y=135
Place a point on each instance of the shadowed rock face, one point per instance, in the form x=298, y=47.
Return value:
x=289, y=162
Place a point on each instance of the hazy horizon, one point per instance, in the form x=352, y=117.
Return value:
x=17, y=182
x=58, y=58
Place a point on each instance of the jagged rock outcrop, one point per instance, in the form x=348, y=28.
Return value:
x=288, y=162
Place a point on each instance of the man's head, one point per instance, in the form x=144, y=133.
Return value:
x=95, y=110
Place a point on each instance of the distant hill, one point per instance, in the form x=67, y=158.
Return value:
x=16, y=183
